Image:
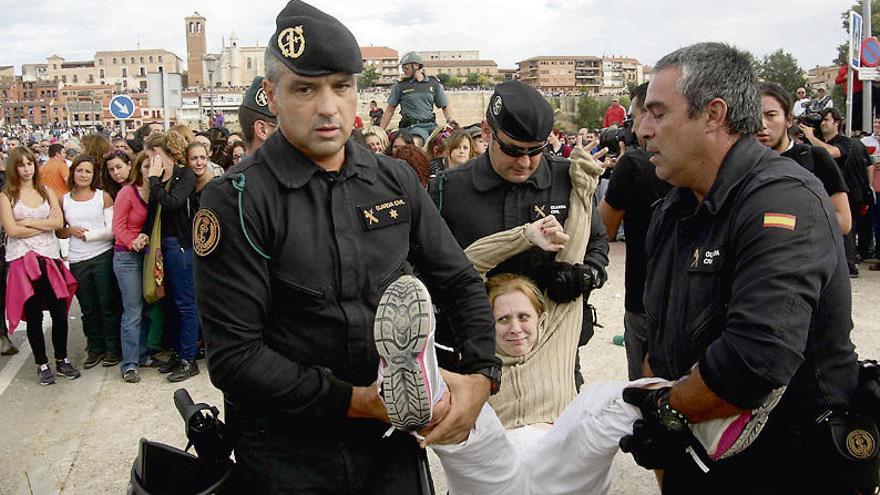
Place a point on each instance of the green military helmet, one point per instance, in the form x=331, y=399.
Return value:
x=412, y=58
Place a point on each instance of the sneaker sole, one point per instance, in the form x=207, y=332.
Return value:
x=404, y=319
x=175, y=379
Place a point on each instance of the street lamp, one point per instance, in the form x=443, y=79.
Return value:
x=210, y=65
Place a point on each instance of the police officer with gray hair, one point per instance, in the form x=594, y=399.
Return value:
x=747, y=298
x=294, y=251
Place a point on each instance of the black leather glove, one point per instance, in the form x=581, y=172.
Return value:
x=566, y=282
x=652, y=445
x=598, y=276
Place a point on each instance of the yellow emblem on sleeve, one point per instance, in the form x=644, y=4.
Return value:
x=206, y=232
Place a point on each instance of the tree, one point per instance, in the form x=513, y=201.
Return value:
x=781, y=67
x=477, y=79
x=589, y=114
x=454, y=82
x=443, y=78
x=368, y=77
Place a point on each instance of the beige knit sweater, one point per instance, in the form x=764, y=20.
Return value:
x=537, y=387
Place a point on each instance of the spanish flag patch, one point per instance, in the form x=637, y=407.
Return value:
x=780, y=220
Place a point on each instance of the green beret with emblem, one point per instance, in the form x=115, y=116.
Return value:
x=520, y=111
x=255, y=99
x=312, y=43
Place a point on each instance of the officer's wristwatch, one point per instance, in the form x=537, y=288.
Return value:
x=670, y=418
x=493, y=373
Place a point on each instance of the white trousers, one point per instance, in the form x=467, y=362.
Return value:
x=572, y=457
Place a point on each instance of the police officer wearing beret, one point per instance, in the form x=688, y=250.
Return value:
x=515, y=183
x=294, y=252
x=256, y=120
x=417, y=95
x=747, y=290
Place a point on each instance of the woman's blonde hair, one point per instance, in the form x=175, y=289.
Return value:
x=508, y=283
x=380, y=133
x=172, y=143
x=184, y=131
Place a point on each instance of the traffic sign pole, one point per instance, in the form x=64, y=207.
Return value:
x=867, y=86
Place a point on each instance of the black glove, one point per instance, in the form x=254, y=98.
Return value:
x=568, y=281
x=651, y=444
x=598, y=275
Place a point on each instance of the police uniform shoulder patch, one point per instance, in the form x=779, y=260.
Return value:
x=206, y=232
x=861, y=444
x=384, y=213
x=780, y=221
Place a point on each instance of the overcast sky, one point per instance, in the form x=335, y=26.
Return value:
x=506, y=31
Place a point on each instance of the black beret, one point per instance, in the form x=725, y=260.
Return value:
x=520, y=111
x=312, y=43
x=255, y=99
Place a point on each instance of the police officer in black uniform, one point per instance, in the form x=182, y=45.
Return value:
x=514, y=183
x=294, y=252
x=256, y=120
x=747, y=288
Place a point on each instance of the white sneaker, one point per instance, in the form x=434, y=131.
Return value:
x=404, y=334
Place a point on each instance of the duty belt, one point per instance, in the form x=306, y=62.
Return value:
x=408, y=122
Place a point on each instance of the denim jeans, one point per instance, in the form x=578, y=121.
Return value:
x=98, y=297
x=179, y=285
x=129, y=267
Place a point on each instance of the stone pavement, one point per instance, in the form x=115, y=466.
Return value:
x=80, y=436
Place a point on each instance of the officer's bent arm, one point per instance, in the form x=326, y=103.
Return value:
x=778, y=274
x=233, y=293
x=387, y=115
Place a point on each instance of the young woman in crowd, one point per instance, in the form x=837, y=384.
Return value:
x=88, y=220
x=117, y=169
x=30, y=214
x=235, y=151
x=130, y=214
x=459, y=149
x=399, y=140
x=197, y=159
x=172, y=184
x=376, y=138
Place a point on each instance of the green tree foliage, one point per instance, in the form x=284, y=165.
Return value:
x=368, y=77
x=443, y=78
x=781, y=67
x=454, y=82
x=591, y=110
x=476, y=79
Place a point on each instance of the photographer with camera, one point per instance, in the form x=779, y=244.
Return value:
x=853, y=161
x=800, y=106
x=631, y=194
x=777, y=121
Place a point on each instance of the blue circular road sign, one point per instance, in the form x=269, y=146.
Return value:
x=122, y=107
x=870, y=52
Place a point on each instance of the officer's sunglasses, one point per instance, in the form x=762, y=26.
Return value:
x=515, y=151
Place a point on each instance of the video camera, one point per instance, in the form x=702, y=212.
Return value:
x=610, y=137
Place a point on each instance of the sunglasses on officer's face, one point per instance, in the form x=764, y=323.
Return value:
x=515, y=151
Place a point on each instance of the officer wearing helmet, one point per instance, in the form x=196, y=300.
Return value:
x=417, y=95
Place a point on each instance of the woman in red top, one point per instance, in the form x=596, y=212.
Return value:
x=128, y=264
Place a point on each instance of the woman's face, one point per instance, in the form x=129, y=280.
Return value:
x=516, y=324
x=375, y=144
x=460, y=154
x=25, y=169
x=198, y=160
x=237, y=154
x=83, y=174
x=145, y=171
x=396, y=145
x=118, y=170
x=167, y=162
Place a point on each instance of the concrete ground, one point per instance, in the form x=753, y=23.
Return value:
x=80, y=437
